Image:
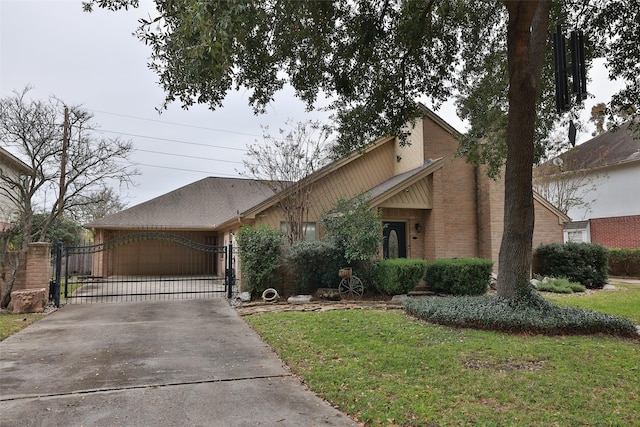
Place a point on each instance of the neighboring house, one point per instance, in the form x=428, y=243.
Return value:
x=604, y=174
x=11, y=169
x=434, y=204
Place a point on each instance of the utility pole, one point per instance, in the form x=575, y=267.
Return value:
x=63, y=160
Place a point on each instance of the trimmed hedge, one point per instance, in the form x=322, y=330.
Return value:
x=459, y=276
x=624, y=262
x=398, y=275
x=584, y=263
x=314, y=264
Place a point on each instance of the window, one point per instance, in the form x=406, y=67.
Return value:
x=308, y=230
x=575, y=236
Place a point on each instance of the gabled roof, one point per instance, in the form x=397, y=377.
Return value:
x=17, y=164
x=605, y=150
x=397, y=183
x=203, y=204
x=317, y=175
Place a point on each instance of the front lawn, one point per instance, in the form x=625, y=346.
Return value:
x=624, y=301
x=387, y=369
x=11, y=323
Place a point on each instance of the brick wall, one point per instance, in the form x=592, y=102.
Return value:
x=34, y=268
x=453, y=219
x=618, y=232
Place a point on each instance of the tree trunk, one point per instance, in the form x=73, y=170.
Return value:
x=526, y=43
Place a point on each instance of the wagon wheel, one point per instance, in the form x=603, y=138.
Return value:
x=351, y=288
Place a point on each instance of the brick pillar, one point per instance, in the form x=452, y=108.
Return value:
x=38, y=265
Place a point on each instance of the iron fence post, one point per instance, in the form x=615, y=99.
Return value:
x=230, y=275
x=56, y=291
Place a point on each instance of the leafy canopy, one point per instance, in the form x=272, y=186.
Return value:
x=375, y=59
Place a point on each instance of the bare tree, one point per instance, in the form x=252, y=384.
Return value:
x=36, y=130
x=566, y=190
x=282, y=163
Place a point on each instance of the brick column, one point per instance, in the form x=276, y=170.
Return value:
x=38, y=265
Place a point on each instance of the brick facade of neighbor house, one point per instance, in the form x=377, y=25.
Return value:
x=617, y=232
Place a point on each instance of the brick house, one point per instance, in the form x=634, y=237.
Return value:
x=607, y=171
x=435, y=205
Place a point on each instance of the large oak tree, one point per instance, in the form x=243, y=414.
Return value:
x=374, y=59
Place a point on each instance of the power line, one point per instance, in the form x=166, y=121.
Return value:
x=170, y=140
x=190, y=157
x=177, y=124
x=182, y=169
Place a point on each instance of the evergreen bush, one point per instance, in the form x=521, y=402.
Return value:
x=624, y=262
x=560, y=286
x=585, y=263
x=314, y=264
x=260, y=250
x=459, y=276
x=399, y=275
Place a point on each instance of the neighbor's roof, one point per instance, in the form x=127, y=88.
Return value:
x=17, y=164
x=203, y=204
x=607, y=149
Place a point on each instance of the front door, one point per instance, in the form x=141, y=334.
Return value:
x=395, y=240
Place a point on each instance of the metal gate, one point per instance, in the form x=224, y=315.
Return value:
x=148, y=265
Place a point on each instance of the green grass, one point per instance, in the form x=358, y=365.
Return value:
x=623, y=302
x=387, y=369
x=11, y=323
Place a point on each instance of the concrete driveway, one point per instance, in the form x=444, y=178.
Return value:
x=159, y=363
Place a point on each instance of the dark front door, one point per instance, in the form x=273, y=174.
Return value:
x=395, y=240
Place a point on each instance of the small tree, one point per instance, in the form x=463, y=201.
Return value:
x=282, y=164
x=354, y=228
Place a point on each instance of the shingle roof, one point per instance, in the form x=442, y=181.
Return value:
x=200, y=205
x=607, y=149
x=396, y=180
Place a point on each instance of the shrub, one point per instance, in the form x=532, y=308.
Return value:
x=398, y=275
x=624, y=262
x=459, y=276
x=561, y=286
x=314, y=264
x=496, y=313
x=585, y=263
x=260, y=256
x=354, y=228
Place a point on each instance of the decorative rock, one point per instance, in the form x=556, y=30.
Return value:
x=399, y=298
x=29, y=300
x=608, y=288
x=493, y=281
x=244, y=296
x=299, y=299
x=330, y=294
x=535, y=283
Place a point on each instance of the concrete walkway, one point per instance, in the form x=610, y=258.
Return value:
x=164, y=363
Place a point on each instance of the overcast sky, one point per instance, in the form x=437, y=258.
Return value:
x=93, y=59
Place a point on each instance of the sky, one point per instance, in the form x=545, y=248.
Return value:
x=94, y=60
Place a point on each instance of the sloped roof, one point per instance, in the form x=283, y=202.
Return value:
x=398, y=182
x=605, y=150
x=17, y=164
x=203, y=204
